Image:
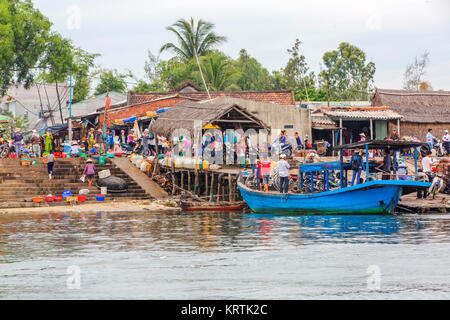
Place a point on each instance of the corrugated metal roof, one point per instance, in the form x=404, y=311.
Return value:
x=360, y=114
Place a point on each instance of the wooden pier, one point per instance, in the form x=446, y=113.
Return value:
x=204, y=185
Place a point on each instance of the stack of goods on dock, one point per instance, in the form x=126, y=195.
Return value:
x=186, y=163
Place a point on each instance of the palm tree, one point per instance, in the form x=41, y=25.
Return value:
x=219, y=72
x=193, y=39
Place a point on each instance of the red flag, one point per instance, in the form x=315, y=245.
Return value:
x=108, y=103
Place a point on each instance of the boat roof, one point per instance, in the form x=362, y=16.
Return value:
x=380, y=144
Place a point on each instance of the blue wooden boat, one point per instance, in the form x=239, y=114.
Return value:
x=371, y=197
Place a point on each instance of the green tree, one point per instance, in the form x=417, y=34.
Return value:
x=82, y=78
x=175, y=71
x=144, y=87
x=346, y=73
x=23, y=37
x=277, y=81
x=112, y=80
x=251, y=74
x=58, y=60
x=296, y=73
x=192, y=38
x=19, y=122
x=218, y=71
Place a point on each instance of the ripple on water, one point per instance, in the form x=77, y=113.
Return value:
x=224, y=256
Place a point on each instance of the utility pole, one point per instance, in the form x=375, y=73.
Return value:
x=59, y=101
x=49, y=107
x=70, y=109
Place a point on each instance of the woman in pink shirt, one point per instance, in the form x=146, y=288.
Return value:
x=265, y=172
x=89, y=171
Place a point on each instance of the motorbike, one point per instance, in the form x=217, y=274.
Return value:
x=127, y=149
x=285, y=149
x=4, y=151
x=438, y=147
x=437, y=185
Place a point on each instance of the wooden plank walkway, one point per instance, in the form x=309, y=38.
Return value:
x=439, y=205
x=144, y=181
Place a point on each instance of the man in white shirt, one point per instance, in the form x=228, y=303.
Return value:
x=426, y=169
x=426, y=164
x=283, y=172
x=446, y=141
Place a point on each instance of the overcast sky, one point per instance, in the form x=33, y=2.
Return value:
x=391, y=32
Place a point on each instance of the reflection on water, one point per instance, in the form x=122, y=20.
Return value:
x=222, y=255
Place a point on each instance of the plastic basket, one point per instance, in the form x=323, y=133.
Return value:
x=66, y=193
x=49, y=199
x=68, y=199
x=57, y=198
x=38, y=199
x=81, y=198
x=100, y=197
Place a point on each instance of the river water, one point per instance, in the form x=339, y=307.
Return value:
x=176, y=255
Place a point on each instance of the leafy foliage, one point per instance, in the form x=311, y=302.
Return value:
x=251, y=74
x=112, y=80
x=219, y=72
x=19, y=122
x=192, y=38
x=347, y=73
x=82, y=77
x=23, y=38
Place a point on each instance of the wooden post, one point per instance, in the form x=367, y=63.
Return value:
x=206, y=183
x=340, y=130
x=156, y=168
x=332, y=142
x=398, y=127
x=371, y=129
x=218, y=188
x=189, y=180
x=173, y=179
x=196, y=182
x=212, y=187
x=230, y=189
x=182, y=179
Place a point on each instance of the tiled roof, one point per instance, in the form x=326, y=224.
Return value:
x=279, y=97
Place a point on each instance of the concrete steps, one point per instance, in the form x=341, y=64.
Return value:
x=21, y=183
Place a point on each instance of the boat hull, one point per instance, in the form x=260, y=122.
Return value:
x=374, y=197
